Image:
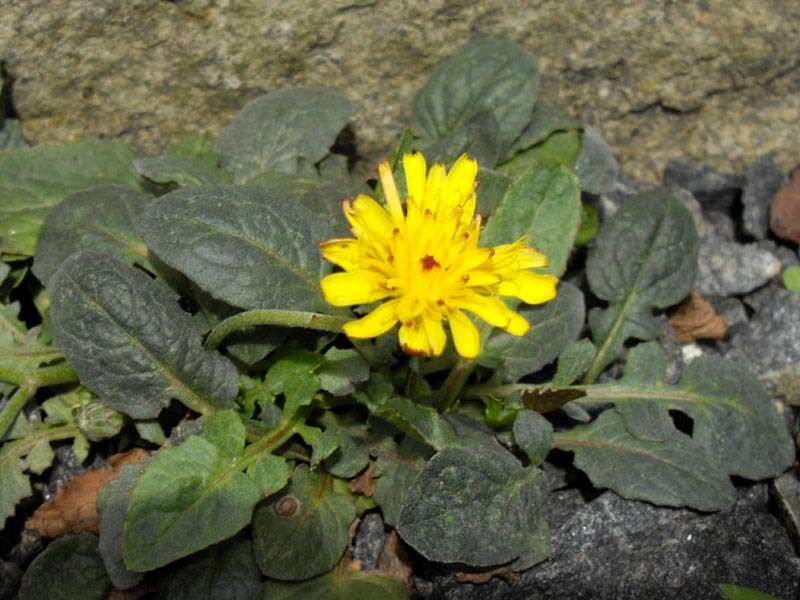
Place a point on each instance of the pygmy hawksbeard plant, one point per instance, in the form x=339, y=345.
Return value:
x=425, y=263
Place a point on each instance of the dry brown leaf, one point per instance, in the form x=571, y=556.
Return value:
x=696, y=318
x=393, y=560
x=74, y=507
x=484, y=576
x=364, y=484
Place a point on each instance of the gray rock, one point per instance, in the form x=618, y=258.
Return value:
x=787, y=256
x=621, y=550
x=369, y=539
x=770, y=343
x=786, y=490
x=764, y=180
x=732, y=310
x=161, y=68
x=725, y=268
x=720, y=224
x=10, y=576
x=66, y=466
x=693, y=206
x=714, y=190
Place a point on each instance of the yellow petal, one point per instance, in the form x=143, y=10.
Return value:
x=410, y=307
x=437, y=338
x=533, y=288
x=390, y=192
x=481, y=278
x=461, y=179
x=517, y=325
x=376, y=323
x=489, y=308
x=465, y=334
x=531, y=259
x=413, y=338
x=353, y=287
x=433, y=187
x=367, y=216
x=415, y=169
x=343, y=252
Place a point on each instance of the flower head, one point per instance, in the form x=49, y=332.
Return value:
x=424, y=262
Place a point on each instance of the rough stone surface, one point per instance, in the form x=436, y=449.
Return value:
x=732, y=310
x=711, y=79
x=786, y=490
x=764, y=180
x=621, y=550
x=770, y=343
x=725, y=268
x=715, y=190
x=784, y=218
x=369, y=539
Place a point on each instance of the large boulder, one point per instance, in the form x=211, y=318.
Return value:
x=716, y=80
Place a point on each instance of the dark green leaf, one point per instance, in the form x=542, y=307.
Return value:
x=226, y=571
x=471, y=507
x=675, y=472
x=543, y=206
x=303, y=532
x=492, y=188
x=560, y=148
x=396, y=469
x=100, y=219
x=573, y=362
x=341, y=584
x=554, y=325
x=487, y=75
x=738, y=592
x=645, y=258
x=596, y=168
x=226, y=431
x=21, y=348
x=70, y=568
x=352, y=455
x=294, y=376
x=34, y=180
x=270, y=473
x=180, y=170
x=545, y=120
x=40, y=457
x=112, y=504
x=14, y=484
x=241, y=245
x=533, y=434
x=130, y=343
x=11, y=136
x=478, y=137
x=189, y=497
x=282, y=128
x=341, y=369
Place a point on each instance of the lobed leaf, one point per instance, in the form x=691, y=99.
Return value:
x=241, y=245
x=130, y=343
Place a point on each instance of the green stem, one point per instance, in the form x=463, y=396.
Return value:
x=272, y=440
x=24, y=445
x=14, y=407
x=12, y=376
x=452, y=386
x=54, y=375
x=281, y=318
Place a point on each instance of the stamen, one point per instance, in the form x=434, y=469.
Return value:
x=428, y=262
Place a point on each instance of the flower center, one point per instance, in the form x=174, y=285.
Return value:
x=428, y=262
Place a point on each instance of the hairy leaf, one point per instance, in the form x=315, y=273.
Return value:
x=303, y=532
x=241, y=245
x=545, y=120
x=70, y=568
x=100, y=219
x=543, y=206
x=554, y=325
x=341, y=584
x=487, y=75
x=130, y=343
x=645, y=258
x=180, y=170
x=225, y=571
x=396, y=469
x=33, y=180
x=281, y=128
x=573, y=362
x=533, y=434
x=596, y=168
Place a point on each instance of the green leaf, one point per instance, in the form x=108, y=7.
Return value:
x=545, y=120
x=656, y=270
x=70, y=568
x=112, y=504
x=11, y=136
x=40, y=457
x=352, y=455
x=226, y=431
x=14, y=484
x=100, y=219
x=226, y=571
x=20, y=347
x=475, y=508
x=533, y=434
x=491, y=75
x=675, y=472
x=492, y=188
x=738, y=592
x=590, y=225
x=573, y=362
x=340, y=370
x=241, y=245
x=180, y=170
x=34, y=180
x=341, y=584
x=560, y=148
x=554, y=325
x=477, y=137
x=270, y=473
x=183, y=487
x=129, y=341
x=396, y=468
x=791, y=278
x=282, y=128
x=303, y=532
x=543, y=206
x=294, y=376
x=596, y=168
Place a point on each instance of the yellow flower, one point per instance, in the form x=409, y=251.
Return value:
x=425, y=263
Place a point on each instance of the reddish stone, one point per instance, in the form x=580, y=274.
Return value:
x=784, y=219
